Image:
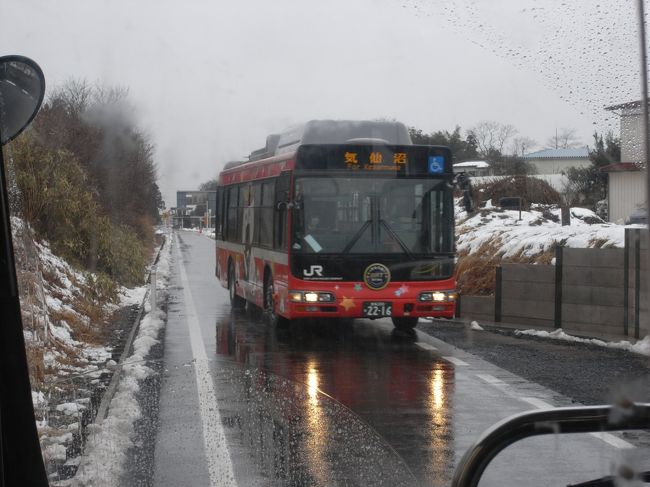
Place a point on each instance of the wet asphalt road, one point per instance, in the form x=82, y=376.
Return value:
x=324, y=404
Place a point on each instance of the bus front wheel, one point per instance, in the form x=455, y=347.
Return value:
x=271, y=314
x=236, y=301
x=405, y=322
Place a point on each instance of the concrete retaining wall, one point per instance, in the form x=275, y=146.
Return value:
x=593, y=290
x=477, y=307
x=588, y=291
x=527, y=294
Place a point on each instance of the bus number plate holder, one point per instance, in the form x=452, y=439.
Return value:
x=377, y=309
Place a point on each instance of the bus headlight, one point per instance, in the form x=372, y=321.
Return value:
x=438, y=296
x=311, y=297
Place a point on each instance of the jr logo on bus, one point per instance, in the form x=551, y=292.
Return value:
x=314, y=271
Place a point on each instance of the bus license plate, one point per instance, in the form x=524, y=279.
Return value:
x=377, y=309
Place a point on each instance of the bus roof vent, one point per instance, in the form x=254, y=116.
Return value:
x=268, y=150
x=343, y=131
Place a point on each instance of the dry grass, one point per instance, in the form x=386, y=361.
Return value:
x=529, y=189
x=91, y=330
x=476, y=272
x=36, y=364
x=600, y=243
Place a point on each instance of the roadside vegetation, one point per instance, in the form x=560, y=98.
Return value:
x=86, y=181
x=84, y=202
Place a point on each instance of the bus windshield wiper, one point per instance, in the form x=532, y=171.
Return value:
x=401, y=243
x=356, y=237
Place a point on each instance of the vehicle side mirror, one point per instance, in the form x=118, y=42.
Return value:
x=463, y=183
x=22, y=88
x=282, y=200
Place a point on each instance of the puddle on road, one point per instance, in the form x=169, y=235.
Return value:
x=296, y=435
x=389, y=421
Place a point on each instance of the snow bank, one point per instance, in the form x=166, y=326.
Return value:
x=109, y=440
x=642, y=346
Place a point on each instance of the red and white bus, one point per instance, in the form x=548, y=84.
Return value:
x=339, y=219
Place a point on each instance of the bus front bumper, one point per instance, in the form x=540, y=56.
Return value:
x=354, y=308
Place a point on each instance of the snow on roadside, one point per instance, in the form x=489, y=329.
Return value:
x=475, y=326
x=641, y=347
x=134, y=296
x=207, y=231
x=535, y=233
x=109, y=441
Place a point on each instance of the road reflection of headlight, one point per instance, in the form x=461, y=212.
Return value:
x=437, y=389
x=317, y=427
x=312, y=384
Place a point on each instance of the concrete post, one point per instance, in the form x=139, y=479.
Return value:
x=498, y=294
x=559, y=264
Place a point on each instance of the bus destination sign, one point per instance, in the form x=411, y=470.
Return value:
x=375, y=161
x=415, y=160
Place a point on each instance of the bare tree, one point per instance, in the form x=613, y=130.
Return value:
x=75, y=95
x=564, y=138
x=522, y=145
x=491, y=136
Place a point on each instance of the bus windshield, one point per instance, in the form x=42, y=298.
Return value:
x=339, y=215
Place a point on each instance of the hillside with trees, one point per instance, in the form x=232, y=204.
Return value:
x=85, y=180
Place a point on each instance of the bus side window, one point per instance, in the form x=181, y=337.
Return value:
x=266, y=214
x=256, y=203
x=218, y=223
x=282, y=186
x=244, y=202
x=231, y=227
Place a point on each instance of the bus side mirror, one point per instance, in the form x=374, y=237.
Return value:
x=463, y=183
x=283, y=201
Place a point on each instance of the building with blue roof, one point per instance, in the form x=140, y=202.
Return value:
x=558, y=161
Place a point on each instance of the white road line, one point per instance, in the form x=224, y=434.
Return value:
x=455, y=361
x=426, y=346
x=612, y=440
x=219, y=463
x=538, y=403
x=490, y=379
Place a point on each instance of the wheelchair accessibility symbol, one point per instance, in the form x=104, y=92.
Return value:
x=436, y=164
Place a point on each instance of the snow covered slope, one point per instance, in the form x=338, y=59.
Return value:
x=501, y=232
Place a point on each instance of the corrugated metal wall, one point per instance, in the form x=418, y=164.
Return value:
x=626, y=193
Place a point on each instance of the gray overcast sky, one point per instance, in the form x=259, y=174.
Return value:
x=211, y=79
